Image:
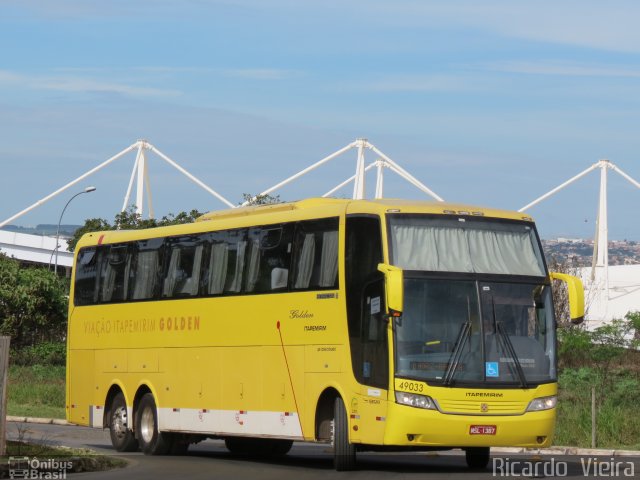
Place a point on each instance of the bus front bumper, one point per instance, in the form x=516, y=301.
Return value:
x=410, y=426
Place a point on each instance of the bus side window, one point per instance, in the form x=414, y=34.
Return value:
x=316, y=255
x=147, y=269
x=182, y=278
x=253, y=263
x=215, y=274
x=115, y=271
x=269, y=258
x=86, y=273
x=237, y=251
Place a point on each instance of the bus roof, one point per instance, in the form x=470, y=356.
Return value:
x=299, y=210
x=382, y=205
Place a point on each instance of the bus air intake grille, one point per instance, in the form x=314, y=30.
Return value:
x=479, y=407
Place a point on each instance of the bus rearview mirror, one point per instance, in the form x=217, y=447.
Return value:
x=393, y=287
x=575, y=292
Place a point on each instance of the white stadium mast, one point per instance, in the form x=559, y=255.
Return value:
x=140, y=169
x=601, y=242
x=358, y=178
x=140, y=177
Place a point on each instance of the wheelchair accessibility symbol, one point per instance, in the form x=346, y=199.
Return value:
x=491, y=369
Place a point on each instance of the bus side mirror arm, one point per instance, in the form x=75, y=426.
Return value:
x=575, y=291
x=393, y=288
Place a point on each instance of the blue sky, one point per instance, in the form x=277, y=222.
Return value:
x=492, y=103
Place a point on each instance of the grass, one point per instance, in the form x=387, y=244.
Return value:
x=617, y=421
x=56, y=461
x=36, y=391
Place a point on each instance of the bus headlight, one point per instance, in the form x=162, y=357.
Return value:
x=413, y=400
x=542, y=403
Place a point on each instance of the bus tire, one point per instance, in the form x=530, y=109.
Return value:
x=179, y=443
x=278, y=448
x=122, y=437
x=477, y=457
x=238, y=446
x=258, y=447
x=152, y=441
x=344, y=452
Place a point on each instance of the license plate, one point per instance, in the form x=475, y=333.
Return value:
x=482, y=430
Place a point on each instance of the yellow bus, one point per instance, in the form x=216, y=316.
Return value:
x=363, y=324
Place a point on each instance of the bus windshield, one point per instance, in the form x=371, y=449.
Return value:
x=470, y=315
x=472, y=332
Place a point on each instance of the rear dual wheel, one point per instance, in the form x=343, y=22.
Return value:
x=122, y=437
x=258, y=447
x=151, y=440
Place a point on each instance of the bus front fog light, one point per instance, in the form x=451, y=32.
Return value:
x=413, y=400
x=542, y=403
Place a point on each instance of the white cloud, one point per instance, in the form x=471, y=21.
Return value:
x=584, y=23
x=248, y=73
x=80, y=84
x=415, y=83
x=569, y=69
x=259, y=73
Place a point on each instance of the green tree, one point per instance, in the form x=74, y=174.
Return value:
x=130, y=220
x=33, y=303
x=260, y=199
x=560, y=294
x=634, y=321
x=90, y=225
x=600, y=349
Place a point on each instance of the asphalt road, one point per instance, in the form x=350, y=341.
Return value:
x=211, y=460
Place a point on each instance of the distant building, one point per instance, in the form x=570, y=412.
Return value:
x=623, y=295
x=570, y=240
x=35, y=249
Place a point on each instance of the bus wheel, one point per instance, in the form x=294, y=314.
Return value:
x=344, y=453
x=477, y=457
x=258, y=447
x=238, y=446
x=152, y=442
x=179, y=443
x=278, y=448
x=122, y=438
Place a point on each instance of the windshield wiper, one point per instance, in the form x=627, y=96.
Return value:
x=463, y=335
x=508, y=347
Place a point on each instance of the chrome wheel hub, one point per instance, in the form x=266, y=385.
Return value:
x=147, y=425
x=119, y=422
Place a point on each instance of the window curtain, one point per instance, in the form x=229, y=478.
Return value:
x=127, y=276
x=218, y=268
x=146, y=275
x=448, y=249
x=236, y=283
x=192, y=283
x=172, y=274
x=108, y=282
x=305, y=262
x=329, y=259
x=253, y=268
x=504, y=252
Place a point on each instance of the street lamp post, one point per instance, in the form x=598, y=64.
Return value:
x=86, y=190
